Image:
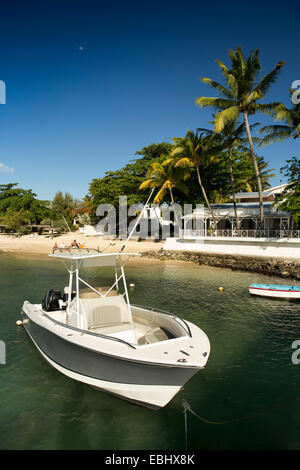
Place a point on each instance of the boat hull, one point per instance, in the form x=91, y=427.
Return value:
x=146, y=384
x=277, y=292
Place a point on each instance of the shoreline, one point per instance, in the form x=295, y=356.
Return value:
x=42, y=245
x=152, y=251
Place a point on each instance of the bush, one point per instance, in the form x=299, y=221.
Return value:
x=23, y=230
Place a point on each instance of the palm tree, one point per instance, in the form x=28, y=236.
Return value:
x=195, y=150
x=231, y=137
x=241, y=96
x=291, y=128
x=166, y=177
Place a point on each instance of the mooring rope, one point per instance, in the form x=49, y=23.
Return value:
x=186, y=407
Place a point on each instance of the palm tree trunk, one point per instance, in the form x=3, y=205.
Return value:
x=175, y=215
x=259, y=187
x=233, y=189
x=171, y=195
x=205, y=197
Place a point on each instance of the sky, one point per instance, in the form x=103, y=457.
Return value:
x=89, y=83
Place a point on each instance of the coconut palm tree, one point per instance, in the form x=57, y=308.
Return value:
x=196, y=150
x=230, y=138
x=242, y=96
x=166, y=177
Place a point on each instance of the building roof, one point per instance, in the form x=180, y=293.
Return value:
x=266, y=193
x=244, y=209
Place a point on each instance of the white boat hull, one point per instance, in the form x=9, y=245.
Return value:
x=275, y=293
x=81, y=357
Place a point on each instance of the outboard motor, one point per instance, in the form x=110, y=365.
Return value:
x=51, y=300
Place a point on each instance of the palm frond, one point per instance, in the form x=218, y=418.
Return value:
x=160, y=196
x=148, y=184
x=184, y=162
x=282, y=113
x=275, y=133
x=224, y=117
x=223, y=68
x=269, y=108
x=216, y=103
x=221, y=89
x=297, y=133
x=265, y=84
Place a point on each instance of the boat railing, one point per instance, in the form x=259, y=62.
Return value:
x=74, y=248
x=112, y=338
x=169, y=314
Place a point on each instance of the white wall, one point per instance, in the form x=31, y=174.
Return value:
x=278, y=248
x=89, y=231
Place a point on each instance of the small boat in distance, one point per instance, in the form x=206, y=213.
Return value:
x=275, y=291
x=93, y=334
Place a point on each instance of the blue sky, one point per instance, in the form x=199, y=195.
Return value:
x=90, y=83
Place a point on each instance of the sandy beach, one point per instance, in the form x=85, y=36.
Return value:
x=42, y=245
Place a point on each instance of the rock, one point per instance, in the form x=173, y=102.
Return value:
x=285, y=274
x=267, y=266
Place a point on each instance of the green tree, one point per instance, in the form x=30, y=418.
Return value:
x=62, y=207
x=249, y=182
x=289, y=201
x=22, y=201
x=126, y=181
x=242, y=95
x=15, y=220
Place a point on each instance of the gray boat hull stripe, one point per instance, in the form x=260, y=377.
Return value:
x=99, y=366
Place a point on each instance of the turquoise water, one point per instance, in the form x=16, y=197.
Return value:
x=249, y=370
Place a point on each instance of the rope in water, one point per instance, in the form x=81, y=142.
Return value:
x=186, y=407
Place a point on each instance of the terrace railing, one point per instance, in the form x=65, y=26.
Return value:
x=228, y=233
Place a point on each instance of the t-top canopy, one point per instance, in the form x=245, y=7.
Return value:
x=91, y=258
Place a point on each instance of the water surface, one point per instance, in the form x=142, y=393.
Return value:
x=249, y=370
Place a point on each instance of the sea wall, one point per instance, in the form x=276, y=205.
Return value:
x=267, y=247
x=284, y=268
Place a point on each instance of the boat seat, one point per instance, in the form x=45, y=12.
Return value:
x=104, y=315
x=105, y=311
x=154, y=335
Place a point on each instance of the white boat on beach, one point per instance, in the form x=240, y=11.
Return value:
x=95, y=335
x=275, y=291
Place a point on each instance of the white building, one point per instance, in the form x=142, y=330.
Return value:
x=277, y=223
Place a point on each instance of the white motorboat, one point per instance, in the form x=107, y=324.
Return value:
x=96, y=336
x=275, y=291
